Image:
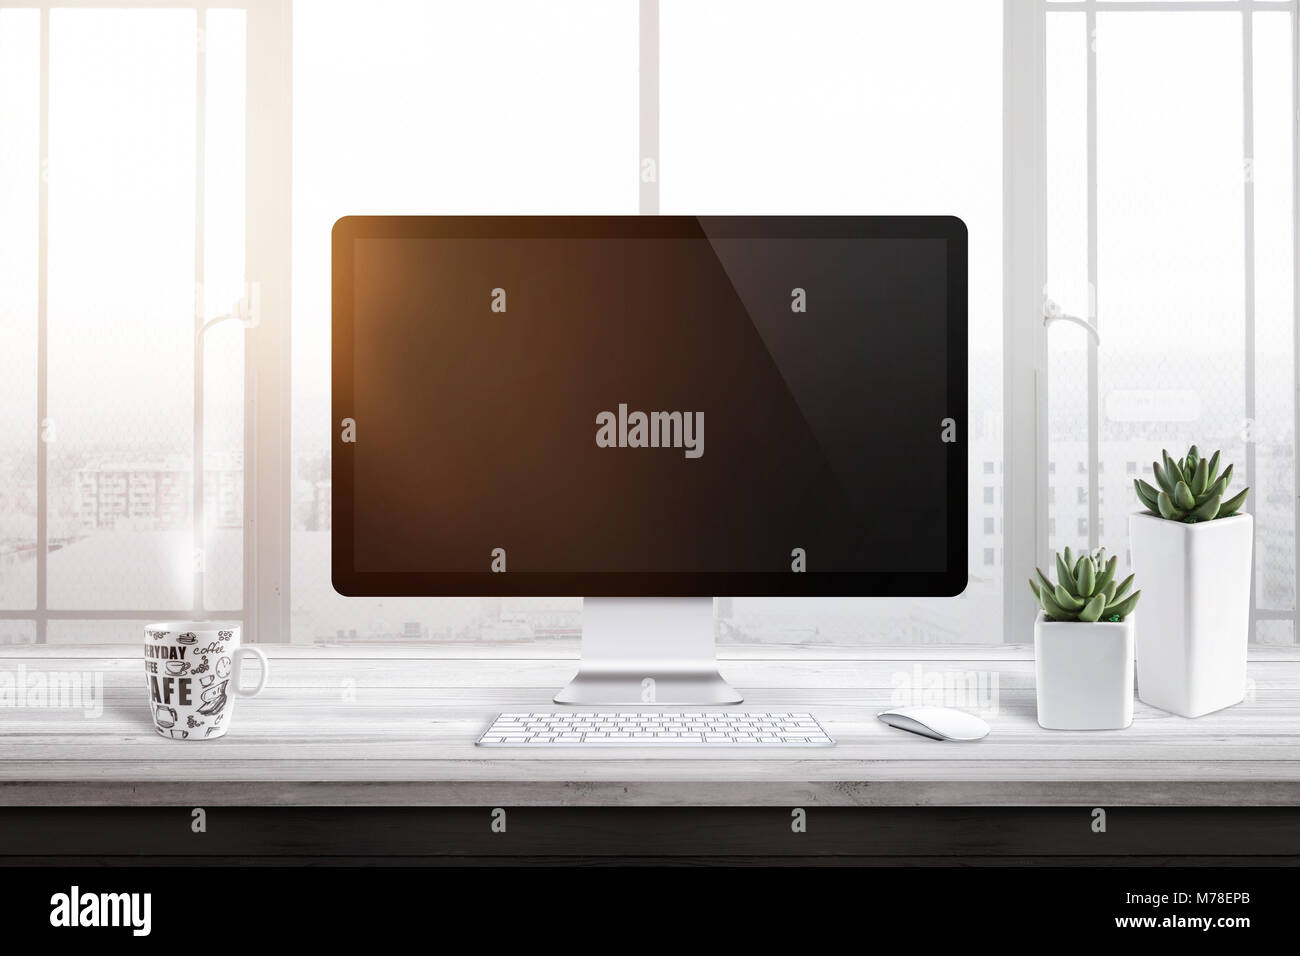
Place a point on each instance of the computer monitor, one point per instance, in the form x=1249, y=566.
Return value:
x=649, y=411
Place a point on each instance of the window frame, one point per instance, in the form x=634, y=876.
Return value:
x=266, y=486
x=1029, y=307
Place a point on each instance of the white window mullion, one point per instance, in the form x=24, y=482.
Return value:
x=1024, y=349
x=1248, y=277
x=648, y=106
x=1295, y=283
x=200, y=122
x=268, y=201
x=1094, y=403
x=42, y=334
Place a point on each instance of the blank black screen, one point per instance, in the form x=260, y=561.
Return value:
x=477, y=429
x=796, y=393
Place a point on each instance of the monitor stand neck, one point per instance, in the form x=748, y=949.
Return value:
x=638, y=651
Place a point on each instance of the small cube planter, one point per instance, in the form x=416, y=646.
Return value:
x=1084, y=673
x=1191, y=648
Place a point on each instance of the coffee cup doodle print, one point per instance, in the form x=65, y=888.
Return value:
x=188, y=681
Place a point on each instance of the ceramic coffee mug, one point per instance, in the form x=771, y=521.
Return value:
x=193, y=670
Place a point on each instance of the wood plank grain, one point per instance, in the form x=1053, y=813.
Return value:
x=782, y=793
x=917, y=678
x=353, y=724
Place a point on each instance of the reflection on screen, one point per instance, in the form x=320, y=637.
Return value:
x=645, y=405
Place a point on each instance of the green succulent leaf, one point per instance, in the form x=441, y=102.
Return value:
x=1122, y=589
x=1043, y=580
x=1231, y=506
x=1214, y=467
x=1147, y=495
x=1033, y=586
x=1162, y=478
x=1064, y=576
x=1053, y=609
x=1092, y=610
x=1175, y=471
x=1087, y=580
x=1201, y=477
x=1108, y=592
x=1067, y=600
x=1167, y=507
x=1207, y=509
x=1183, y=497
x=1124, y=607
x=1107, y=573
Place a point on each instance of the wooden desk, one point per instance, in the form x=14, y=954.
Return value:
x=396, y=726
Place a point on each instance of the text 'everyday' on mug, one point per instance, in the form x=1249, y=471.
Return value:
x=193, y=670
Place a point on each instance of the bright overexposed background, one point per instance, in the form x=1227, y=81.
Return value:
x=513, y=106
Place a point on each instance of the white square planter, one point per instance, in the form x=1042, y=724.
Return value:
x=1195, y=581
x=1084, y=673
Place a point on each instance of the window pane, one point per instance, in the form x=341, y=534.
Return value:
x=17, y=632
x=1067, y=275
x=121, y=307
x=1170, y=285
x=223, y=287
x=836, y=108
x=96, y=632
x=1271, y=174
x=502, y=106
x=1277, y=633
x=19, y=187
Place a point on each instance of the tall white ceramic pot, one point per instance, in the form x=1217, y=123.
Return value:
x=1083, y=673
x=1191, y=644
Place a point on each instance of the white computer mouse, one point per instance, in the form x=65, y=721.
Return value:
x=940, y=723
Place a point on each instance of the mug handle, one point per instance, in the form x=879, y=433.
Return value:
x=239, y=671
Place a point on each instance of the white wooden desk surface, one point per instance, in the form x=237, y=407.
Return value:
x=394, y=726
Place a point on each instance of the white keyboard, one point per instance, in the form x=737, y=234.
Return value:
x=642, y=729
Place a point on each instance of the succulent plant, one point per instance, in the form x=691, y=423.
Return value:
x=1191, y=489
x=1085, y=589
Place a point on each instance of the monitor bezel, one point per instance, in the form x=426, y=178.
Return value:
x=350, y=582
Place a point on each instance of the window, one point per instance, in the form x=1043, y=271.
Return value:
x=1167, y=215
x=554, y=127
x=121, y=169
x=753, y=105
x=547, y=123
x=1169, y=200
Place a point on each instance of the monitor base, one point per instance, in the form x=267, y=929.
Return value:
x=594, y=685
x=638, y=651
